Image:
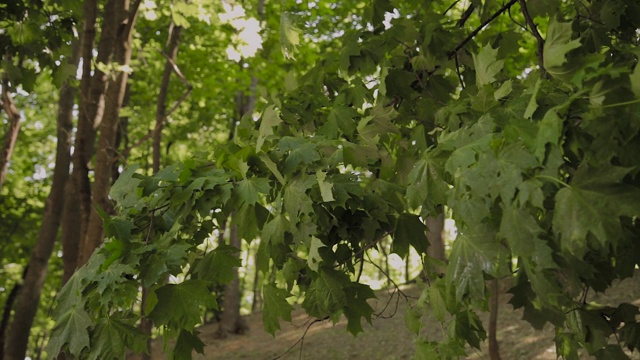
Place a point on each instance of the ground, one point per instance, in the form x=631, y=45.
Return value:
x=388, y=337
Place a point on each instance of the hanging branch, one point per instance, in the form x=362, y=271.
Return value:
x=479, y=28
x=534, y=30
x=466, y=15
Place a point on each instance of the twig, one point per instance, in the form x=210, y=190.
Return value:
x=301, y=340
x=450, y=7
x=536, y=34
x=466, y=15
x=479, y=28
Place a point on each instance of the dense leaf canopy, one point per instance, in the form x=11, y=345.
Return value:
x=521, y=119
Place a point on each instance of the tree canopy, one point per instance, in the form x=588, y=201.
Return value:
x=520, y=119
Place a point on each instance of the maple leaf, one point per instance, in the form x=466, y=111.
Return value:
x=273, y=231
x=314, y=259
x=357, y=307
x=217, y=265
x=325, y=186
x=474, y=254
x=270, y=119
x=558, y=43
x=71, y=328
x=275, y=306
x=487, y=66
x=410, y=230
x=180, y=304
x=185, y=344
x=248, y=189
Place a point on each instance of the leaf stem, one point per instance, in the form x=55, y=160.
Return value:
x=553, y=179
x=630, y=102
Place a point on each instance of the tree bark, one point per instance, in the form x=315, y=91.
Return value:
x=105, y=154
x=90, y=110
x=11, y=136
x=494, y=351
x=230, y=321
x=28, y=297
x=6, y=312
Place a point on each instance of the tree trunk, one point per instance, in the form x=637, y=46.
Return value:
x=173, y=40
x=230, y=321
x=494, y=351
x=11, y=136
x=105, y=153
x=29, y=295
x=6, y=312
x=90, y=109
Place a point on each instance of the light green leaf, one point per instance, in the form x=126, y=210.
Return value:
x=275, y=306
x=269, y=119
x=487, y=67
x=635, y=81
x=475, y=253
x=314, y=259
x=504, y=90
x=273, y=167
x=289, y=35
x=325, y=186
x=558, y=43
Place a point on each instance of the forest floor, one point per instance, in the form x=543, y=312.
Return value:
x=387, y=337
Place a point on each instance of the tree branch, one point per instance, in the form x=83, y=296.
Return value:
x=479, y=28
x=534, y=30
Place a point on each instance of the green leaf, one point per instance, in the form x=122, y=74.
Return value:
x=410, y=230
x=71, y=328
x=270, y=119
x=357, y=307
x=549, y=132
x=248, y=189
x=111, y=337
x=125, y=190
x=296, y=200
x=413, y=320
x=185, y=344
x=180, y=305
x=276, y=306
x=635, y=81
x=217, y=265
x=486, y=65
x=289, y=36
x=300, y=151
x=558, y=43
x=273, y=231
x=314, y=259
x=325, y=186
x=273, y=167
x=474, y=254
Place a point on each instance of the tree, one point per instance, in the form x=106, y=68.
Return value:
x=522, y=118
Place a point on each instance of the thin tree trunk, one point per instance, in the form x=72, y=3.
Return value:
x=90, y=109
x=11, y=136
x=105, y=153
x=494, y=351
x=230, y=321
x=6, y=312
x=173, y=40
x=29, y=295
x=257, y=291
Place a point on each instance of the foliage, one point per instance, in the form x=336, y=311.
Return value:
x=535, y=159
